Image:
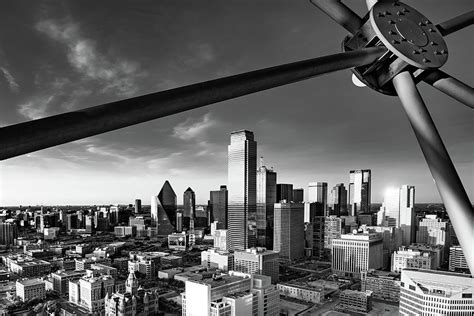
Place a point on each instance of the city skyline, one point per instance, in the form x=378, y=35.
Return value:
x=83, y=60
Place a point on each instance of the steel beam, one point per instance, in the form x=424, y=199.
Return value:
x=450, y=86
x=340, y=13
x=457, y=23
x=34, y=135
x=442, y=169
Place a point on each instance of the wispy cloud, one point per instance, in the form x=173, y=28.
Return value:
x=14, y=87
x=200, y=54
x=192, y=129
x=36, y=109
x=115, y=75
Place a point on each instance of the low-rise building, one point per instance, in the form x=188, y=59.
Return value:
x=26, y=266
x=181, y=241
x=219, y=259
x=354, y=301
x=61, y=280
x=301, y=292
x=383, y=285
x=428, y=292
x=410, y=259
x=27, y=289
x=457, y=260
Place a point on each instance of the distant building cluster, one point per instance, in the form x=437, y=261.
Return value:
x=258, y=247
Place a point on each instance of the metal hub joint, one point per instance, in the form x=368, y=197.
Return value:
x=413, y=42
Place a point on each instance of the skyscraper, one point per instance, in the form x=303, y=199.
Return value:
x=355, y=253
x=138, y=206
x=189, y=208
x=338, y=200
x=298, y=195
x=318, y=193
x=8, y=232
x=359, y=191
x=242, y=185
x=168, y=200
x=163, y=210
x=289, y=230
x=266, y=198
x=407, y=213
x=284, y=192
x=219, y=201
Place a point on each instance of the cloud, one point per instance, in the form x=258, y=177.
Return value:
x=201, y=54
x=191, y=129
x=36, y=109
x=115, y=75
x=14, y=87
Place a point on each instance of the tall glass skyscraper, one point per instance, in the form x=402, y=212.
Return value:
x=266, y=198
x=398, y=209
x=285, y=192
x=163, y=210
x=189, y=208
x=218, y=202
x=338, y=200
x=242, y=186
x=318, y=192
x=359, y=191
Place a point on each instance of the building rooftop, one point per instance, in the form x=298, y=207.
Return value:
x=30, y=281
x=441, y=283
x=220, y=280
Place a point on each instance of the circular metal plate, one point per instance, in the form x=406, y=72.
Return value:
x=409, y=34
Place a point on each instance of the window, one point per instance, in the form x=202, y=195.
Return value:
x=467, y=295
x=411, y=287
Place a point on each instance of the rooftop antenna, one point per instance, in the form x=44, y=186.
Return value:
x=391, y=49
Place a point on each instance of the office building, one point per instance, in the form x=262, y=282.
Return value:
x=433, y=231
x=189, y=209
x=257, y=261
x=27, y=289
x=8, y=233
x=90, y=290
x=332, y=230
x=298, y=195
x=267, y=295
x=318, y=192
x=392, y=241
x=436, y=251
x=266, y=198
x=163, y=210
x=383, y=285
x=26, y=266
x=181, y=241
x=284, y=192
x=220, y=239
x=410, y=259
x=457, y=260
x=398, y=209
x=354, y=301
x=242, y=186
x=138, y=206
x=359, y=191
x=61, y=280
x=205, y=297
x=427, y=292
x=220, y=259
x=338, y=200
x=355, y=253
x=317, y=232
x=289, y=230
x=218, y=202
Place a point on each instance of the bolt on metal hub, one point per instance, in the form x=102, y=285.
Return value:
x=408, y=34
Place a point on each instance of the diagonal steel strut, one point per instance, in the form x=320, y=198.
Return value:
x=34, y=135
x=442, y=169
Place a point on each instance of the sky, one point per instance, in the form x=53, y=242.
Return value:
x=58, y=56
